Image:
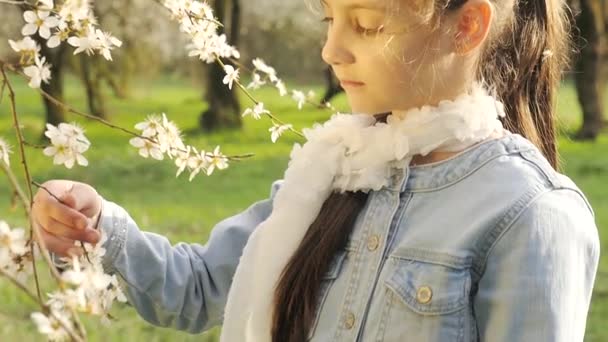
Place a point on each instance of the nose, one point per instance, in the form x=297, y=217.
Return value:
x=336, y=51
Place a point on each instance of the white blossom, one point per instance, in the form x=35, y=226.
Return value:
x=39, y=21
x=260, y=65
x=196, y=163
x=169, y=137
x=107, y=42
x=276, y=131
x=38, y=73
x=299, y=97
x=158, y=136
x=257, y=111
x=5, y=150
x=68, y=143
x=231, y=75
x=181, y=161
x=77, y=12
x=14, y=252
x=90, y=289
x=26, y=46
x=50, y=327
x=62, y=33
x=216, y=160
x=150, y=126
x=12, y=240
x=87, y=43
x=46, y=4
x=147, y=148
x=257, y=82
x=281, y=87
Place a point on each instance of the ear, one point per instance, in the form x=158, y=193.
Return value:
x=472, y=25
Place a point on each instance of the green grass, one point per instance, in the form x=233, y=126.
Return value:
x=185, y=211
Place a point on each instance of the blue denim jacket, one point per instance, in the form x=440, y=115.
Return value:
x=489, y=245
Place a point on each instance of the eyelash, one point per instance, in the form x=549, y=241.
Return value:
x=360, y=30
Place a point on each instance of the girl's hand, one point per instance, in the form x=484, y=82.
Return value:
x=70, y=215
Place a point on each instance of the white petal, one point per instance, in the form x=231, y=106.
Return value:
x=74, y=41
x=34, y=82
x=144, y=153
x=43, y=14
x=29, y=29
x=137, y=142
x=82, y=160
x=69, y=163
x=30, y=16
x=50, y=151
x=44, y=32
x=53, y=42
x=51, y=22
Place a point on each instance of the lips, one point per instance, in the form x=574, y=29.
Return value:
x=351, y=83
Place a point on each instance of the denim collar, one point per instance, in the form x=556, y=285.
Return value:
x=434, y=176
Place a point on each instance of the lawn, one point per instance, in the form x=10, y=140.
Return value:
x=186, y=211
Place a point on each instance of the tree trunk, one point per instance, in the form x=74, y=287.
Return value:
x=92, y=86
x=55, y=57
x=333, y=87
x=224, y=109
x=589, y=83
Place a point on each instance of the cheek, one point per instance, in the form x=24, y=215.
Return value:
x=410, y=61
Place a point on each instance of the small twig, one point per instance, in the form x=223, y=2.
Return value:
x=323, y=106
x=28, y=144
x=60, y=201
x=13, y=181
x=28, y=177
x=44, y=307
x=10, y=2
x=45, y=253
x=2, y=90
x=272, y=117
x=107, y=123
x=191, y=15
x=21, y=286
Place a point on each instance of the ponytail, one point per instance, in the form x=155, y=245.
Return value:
x=524, y=63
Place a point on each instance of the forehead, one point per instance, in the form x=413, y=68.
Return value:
x=354, y=4
x=394, y=7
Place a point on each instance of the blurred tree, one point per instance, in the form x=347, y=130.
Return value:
x=590, y=35
x=333, y=86
x=56, y=57
x=91, y=72
x=224, y=108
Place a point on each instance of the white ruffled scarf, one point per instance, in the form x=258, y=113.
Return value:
x=349, y=152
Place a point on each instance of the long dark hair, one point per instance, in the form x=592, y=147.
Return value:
x=523, y=62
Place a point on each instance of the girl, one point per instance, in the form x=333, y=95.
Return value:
x=443, y=220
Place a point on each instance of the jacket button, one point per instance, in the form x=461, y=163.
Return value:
x=373, y=242
x=424, y=294
x=349, y=322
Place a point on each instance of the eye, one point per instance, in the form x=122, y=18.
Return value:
x=327, y=20
x=367, y=31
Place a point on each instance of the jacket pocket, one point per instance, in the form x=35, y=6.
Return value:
x=425, y=301
x=328, y=278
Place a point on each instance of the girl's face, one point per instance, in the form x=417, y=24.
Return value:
x=386, y=56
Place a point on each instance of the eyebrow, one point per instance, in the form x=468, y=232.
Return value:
x=361, y=5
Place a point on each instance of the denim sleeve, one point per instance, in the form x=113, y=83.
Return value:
x=184, y=286
x=539, y=275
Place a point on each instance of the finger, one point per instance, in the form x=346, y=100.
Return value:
x=58, y=245
x=77, y=197
x=66, y=215
x=60, y=229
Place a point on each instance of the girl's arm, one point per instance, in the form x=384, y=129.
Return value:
x=539, y=275
x=184, y=286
